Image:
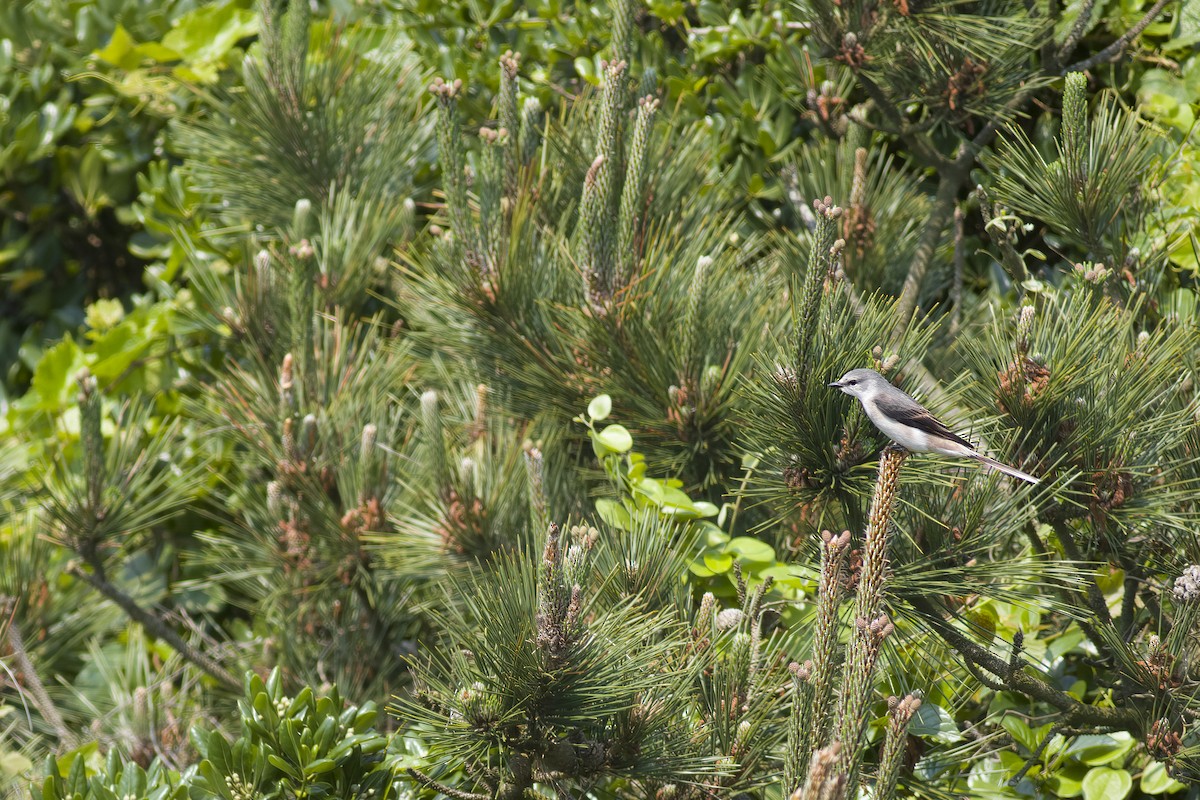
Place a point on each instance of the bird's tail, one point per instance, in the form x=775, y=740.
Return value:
x=1007, y=470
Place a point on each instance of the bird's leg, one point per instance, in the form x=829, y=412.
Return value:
x=895, y=448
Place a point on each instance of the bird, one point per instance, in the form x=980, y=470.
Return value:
x=909, y=424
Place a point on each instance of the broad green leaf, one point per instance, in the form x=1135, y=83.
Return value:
x=1100, y=748
x=751, y=549
x=119, y=49
x=54, y=376
x=1155, y=780
x=718, y=562
x=1019, y=729
x=934, y=722
x=1067, y=782
x=13, y=764
x=1105, y=783
x=208, y=33
x=600, y=407
x=614, y=513
x=616, y=438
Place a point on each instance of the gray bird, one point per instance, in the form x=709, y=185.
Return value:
x=909, y=424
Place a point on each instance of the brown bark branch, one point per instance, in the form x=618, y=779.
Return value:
x=37, y=690
x=1114, y=50
x=155, y=626
x=940, y=215
x=1076, y=33
x=438, y=786
x=1019, y=681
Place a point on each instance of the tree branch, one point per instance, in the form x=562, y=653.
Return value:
x=1114, y=50
x=1076, y=33
x=920, y=146
x=41, y=699
x=1009, y=258
x=155, y=626
x=1019, y=681
x=940, y=215
x=438, y=786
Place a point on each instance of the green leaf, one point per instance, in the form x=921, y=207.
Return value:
x=120, y=46
x=614, y=513
x=751, y=549
x=208, y=33
x=103, y=314
x=53, y=378
x=14, y=764
x=1064, y=785
x=600, y=407
x=1100, y=748
x=1105, y=783
x=719, y=562
x=934, y=722
x=1020, y=730
x=616, y=438
x=283, y=766
x=1155, y=780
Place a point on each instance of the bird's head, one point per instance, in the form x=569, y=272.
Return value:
x=859, y=382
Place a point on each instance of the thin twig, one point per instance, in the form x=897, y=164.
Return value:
x=1012, y=262
x=1037, y=754
x=155, y=626
x=960, y=260
x=1114, y=50
x=438, y=786
x=37, y=690
x=1081, y=22
x=1018, y=681
x=952, y=179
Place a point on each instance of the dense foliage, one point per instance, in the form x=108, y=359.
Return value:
x=425, y=399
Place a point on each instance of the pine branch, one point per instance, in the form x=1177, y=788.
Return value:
x=871, y=626
x=41, y=699
x=940, y=215
x=1114, y=50
x=449, y=791
x=900, y=713
x=998, y=233
x=153, y=625
x=920, y=145
x=1016, y=680
x=1076, y=33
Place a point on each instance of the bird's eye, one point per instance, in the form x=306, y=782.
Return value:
x=851, y=382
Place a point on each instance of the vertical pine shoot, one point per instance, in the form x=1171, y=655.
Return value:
x=822, y=262
x=1075, y=129
x=691, y=316
x=435, y=440
x=632, y=199
x=871, y=625
x=900, y=713
x=533, y=117
x=491, y=184
x=591, y=221
x=452, y=161
x=622, y=36
x=510, y=121
x=598, y=216
x=822, y=669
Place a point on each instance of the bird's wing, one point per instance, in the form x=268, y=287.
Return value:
x=905, y=410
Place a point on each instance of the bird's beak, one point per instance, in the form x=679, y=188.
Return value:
x=834, y=385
